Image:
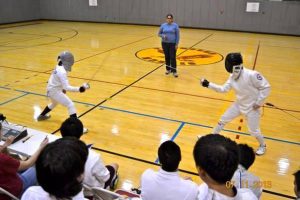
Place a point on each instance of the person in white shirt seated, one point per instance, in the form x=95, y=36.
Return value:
x=242, y=178
x=166, y=184
x=216, y=159
x=60, y=171
x=96, y=173
x=297, y=184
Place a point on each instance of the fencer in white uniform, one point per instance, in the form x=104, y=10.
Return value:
x=251, y=89
x=58, y=84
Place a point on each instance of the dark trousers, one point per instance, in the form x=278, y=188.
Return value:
x=170, y=56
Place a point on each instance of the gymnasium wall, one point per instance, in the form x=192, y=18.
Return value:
x=19, y=10
x=273, y=16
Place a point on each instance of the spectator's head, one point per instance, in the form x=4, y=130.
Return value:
x=247, y=155
x=297, y=183
x=60, y=167
x=72, y=127
x=169, y=156
x=216, y=158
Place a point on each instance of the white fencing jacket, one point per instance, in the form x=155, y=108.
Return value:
x=250, y=88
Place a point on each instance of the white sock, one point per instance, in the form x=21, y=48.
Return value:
x=218, y=128
x=260, y=139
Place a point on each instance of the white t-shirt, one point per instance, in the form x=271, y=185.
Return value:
x=244, y=179
x=59, y=81
x=205, y=193
x=164, y=185
x=38, y=193
x=95, y=172
x=250, y=88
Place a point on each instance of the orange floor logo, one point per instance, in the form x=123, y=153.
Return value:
x=192, y=56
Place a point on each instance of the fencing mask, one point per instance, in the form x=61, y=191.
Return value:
x=67, y=60
x=233, y=64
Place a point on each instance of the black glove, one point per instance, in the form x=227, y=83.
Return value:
x=204, y=82
x=82, y=89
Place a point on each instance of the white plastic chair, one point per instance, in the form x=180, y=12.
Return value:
x=3, y=191
x=102, y=194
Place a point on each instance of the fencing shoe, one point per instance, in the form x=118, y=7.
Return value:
x=43, y=117
x=261, y=150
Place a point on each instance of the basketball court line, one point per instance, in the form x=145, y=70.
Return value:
x=20, y=25
x=141, y=87
x=256, y=55
x=5, y=102
x=60, y=40
x=174, y=135
x=153, y=116
x=32, y=38
x=155, y=163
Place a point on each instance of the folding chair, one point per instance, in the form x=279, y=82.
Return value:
x=127, y=193
x=103, y=194
x=3, y=191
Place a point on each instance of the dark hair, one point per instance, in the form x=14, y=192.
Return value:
x=59, y=165
x=169, y=15
x=72, y=127
x=247, y=155
x=297, y=180
x=218, y=156
x=169, y=156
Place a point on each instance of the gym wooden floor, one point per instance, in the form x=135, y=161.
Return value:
x=132, y=106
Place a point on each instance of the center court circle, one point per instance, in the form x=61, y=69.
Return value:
x=188, y=57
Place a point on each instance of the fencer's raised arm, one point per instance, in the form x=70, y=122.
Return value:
x=220, y=88
x=263, y=87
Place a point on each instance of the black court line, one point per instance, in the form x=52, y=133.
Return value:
x=181, y=170
x=14, y=26
x=153, y=163
x=154, y=89
x=256, y=55
x=7, y=44
x=156, y=117
x=106, y=52
x=32, y=38
x=126, y=87
x=42, y=44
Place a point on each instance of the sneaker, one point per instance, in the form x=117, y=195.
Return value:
x=85, y=130
x=175, y=74
x=168, y=72
x=43, y=117
x=261, y=150
x=114, y=182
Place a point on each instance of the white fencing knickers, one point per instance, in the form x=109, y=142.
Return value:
x=61, y=98
x=252, y=117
